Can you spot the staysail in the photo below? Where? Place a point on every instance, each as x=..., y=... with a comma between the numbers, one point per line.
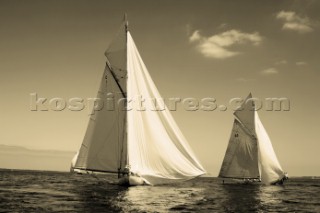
x=147, y=143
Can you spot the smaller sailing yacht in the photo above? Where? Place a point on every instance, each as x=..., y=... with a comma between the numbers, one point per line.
x=140, y=146
x=250, y=156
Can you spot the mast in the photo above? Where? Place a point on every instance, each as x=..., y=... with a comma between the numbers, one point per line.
x=126, y=117
x=126, y=24
x=125, y=129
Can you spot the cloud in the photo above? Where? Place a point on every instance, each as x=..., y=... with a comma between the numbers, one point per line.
x=245, y=79
x=269, y=71
x=281, y=62
x=217, y=46
x=301, y=63
x=291, y=21
x=195, y=36
x=223, y=26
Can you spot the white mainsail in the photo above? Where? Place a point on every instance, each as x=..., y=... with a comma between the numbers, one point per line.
x=250, y=154
x=157, y=149
x=147, y=143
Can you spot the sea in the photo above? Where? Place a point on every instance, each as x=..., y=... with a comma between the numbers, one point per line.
x=41, y=191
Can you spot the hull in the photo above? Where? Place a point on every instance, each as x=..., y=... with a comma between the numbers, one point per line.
x=77, y=171
x=132, y=181
x=281, y=181
x=240, y=181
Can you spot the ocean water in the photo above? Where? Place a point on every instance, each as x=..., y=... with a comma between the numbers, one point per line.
x=30, y=191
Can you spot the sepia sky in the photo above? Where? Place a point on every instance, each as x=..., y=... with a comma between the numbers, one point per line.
x=220, y=49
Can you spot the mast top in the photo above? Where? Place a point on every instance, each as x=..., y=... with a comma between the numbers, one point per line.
x=125, y=21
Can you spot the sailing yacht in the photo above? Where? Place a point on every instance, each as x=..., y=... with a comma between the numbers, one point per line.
x=250, y=156
x=140, y=146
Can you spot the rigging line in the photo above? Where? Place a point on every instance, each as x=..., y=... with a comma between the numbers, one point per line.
x=125, y=132
x=248, y=160
x=115, y=78
x=257, y=154
x=85, y=146
x=98, y=170
x=123, y=139
x=252, y=136
x=250, y=178
x=118, y=144
x=246, y=130
x=235, y=140
x=111, y=129
x=228, y=158
x=243, y=170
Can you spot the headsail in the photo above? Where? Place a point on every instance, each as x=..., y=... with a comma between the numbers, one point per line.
x=270, y=167
x=157, y=149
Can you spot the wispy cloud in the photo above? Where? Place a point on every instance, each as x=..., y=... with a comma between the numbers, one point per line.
x=291, y=21
x=223, y=26
x=281, y=62
x=218, y=46
x=301, y=63
x=269, y=71
x=195, y=36
x=245, y=79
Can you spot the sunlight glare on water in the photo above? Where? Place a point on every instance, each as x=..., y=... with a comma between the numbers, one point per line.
x=30, y=191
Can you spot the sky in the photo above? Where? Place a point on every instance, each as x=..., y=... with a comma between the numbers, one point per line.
x=220, y=49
